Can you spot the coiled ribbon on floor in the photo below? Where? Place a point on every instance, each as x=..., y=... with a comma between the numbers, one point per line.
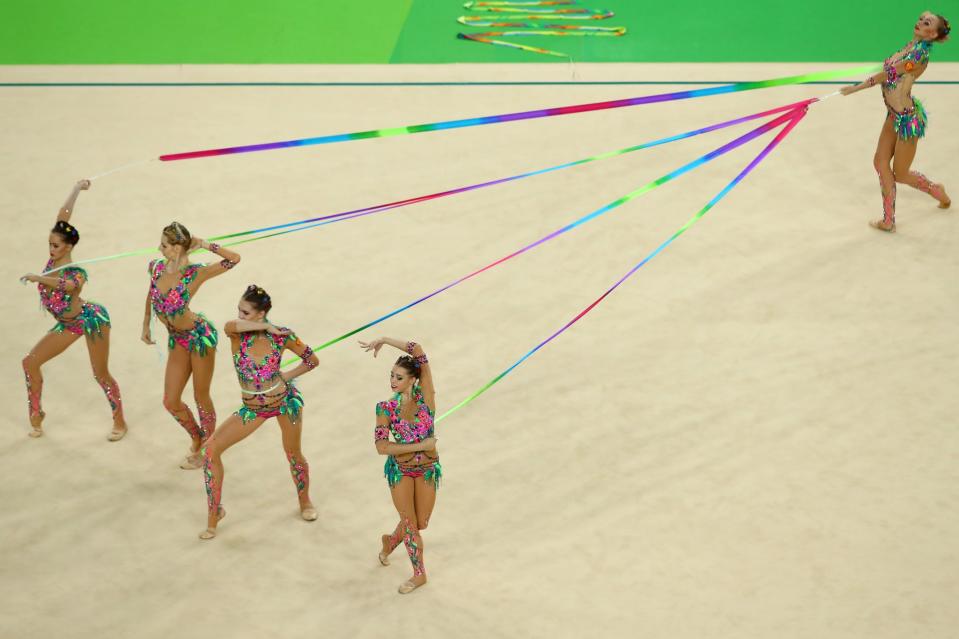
x=520, y=25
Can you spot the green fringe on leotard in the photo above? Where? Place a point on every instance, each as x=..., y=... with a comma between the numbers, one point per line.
x=393, y=474
x=292, y=406
x=93, y=316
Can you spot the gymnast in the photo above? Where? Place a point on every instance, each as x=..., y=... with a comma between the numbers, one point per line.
x=192, y=342
x=412, y=468
x=258, y=346
x=906, y=118
x=60, y=295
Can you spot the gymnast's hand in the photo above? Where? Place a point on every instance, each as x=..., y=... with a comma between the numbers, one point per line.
x=83, y=185
x=146, y=337
x=196, y=243
x=374, y=346
x=29, y=277
x=848, y=89
x=273, y=330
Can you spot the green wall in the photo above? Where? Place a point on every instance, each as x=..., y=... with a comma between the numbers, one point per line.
x=424, y=31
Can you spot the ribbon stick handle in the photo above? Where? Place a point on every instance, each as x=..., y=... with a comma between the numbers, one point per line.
x=826, y=97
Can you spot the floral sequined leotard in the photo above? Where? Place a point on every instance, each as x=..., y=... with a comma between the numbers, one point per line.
x=174, y=303
x=259, y=379
x=418, y=464
x=908, y=115
x=58, y=301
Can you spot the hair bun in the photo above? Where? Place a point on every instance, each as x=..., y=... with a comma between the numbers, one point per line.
x=67, y=231
x=257, y=296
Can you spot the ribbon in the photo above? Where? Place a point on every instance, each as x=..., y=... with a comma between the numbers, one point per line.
x=301, y=225
x=523, y=115
x=793, y=120
x=712, y=155
x=534, y=28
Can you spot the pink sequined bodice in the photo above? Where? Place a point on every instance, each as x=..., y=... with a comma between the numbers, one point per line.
x=258, y=373
x=175, y=301
x=403, y=431
x=56, y=299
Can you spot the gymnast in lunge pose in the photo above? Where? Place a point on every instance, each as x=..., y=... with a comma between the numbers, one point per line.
x=192, y=342
x=906, y=118
x=258, y=347
x=412, y=468
x=60, y=294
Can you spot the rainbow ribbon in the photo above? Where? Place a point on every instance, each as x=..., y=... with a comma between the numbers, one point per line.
x=793, y=118
x=575, y=13
x=531, y=3
x=523, y=115
x=534, y=28
x=712, y=155
x=486, y=37
x=302, y=225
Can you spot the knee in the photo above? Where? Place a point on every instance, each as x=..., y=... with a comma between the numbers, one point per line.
x=211, y=451
x=410, y=523
x=879, y=163
x=422, y=524
x=202, y=397
x=901, y=177
x=172, y=404
x=30, y=363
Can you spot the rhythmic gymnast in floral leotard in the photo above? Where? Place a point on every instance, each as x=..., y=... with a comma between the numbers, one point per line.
x=192, y=342
x=413, y=468
x=60, y=294
x=267, y=392
x=905, y=119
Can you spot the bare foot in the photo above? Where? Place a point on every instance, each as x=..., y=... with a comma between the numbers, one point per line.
x=412, y=584
x=881, y=225
x=36, y=421
x=117, y=433
x=384, y=555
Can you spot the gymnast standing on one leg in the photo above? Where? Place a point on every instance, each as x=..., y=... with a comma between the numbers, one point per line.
x=60, y=294
x=258, y=347
x=906, y=118
x=192, y=343
x=412, y=468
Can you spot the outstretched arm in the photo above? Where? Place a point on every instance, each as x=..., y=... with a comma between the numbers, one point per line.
x=69, y=282
x=67, y=209
x=869, y=82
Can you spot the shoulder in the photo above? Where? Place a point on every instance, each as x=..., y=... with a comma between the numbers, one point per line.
x=155, y=267
x=383, y=408
x=74, y=272
x=191, y=271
